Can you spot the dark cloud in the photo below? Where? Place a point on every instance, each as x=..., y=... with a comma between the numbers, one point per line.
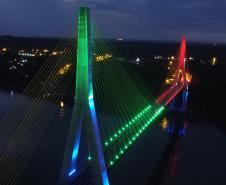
x=200, y=20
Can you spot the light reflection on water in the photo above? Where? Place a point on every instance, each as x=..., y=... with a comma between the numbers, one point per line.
x=61, y=109
x=164, y=123
x=176, y=131
x=197, y=154
x=167, y=166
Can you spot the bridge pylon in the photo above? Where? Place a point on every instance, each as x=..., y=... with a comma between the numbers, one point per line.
x=181, y=75
x=84, y=113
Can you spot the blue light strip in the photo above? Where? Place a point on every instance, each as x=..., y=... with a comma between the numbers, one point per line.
x=96, y=130
x=74, y=156
x=72, y=172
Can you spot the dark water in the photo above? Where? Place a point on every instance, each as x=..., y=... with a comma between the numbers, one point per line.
x=178, y=149
x=196, y=156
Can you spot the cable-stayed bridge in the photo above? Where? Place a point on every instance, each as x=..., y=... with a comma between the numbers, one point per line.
x=110, y=103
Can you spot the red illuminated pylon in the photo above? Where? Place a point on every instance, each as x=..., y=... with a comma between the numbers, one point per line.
x=182, y=78
x=181, y=72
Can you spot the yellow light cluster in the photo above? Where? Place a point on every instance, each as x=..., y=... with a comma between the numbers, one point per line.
x=101, y=58
x=214, y=61
x=55, y=53
x=188, y=77
x=171, y=63
x=169, y=80
x=164, y=123
x=64, y=69
x=34, y=52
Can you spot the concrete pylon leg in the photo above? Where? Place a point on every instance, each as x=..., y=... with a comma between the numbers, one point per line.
x=172, y=105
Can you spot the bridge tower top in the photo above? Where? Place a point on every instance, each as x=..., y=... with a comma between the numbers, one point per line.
x=182, y=74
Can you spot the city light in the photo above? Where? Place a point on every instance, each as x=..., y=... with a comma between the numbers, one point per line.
x=64, y=69
x=4, y=49
x=138, y=59
x=101, y=58
x=214, y=61
x=54, y=53
x=167, y=81
x=62, y=104
x=188, y=77
x=27, y=54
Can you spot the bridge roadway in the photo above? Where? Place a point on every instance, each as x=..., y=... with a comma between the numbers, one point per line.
x=169, y=94
x=147, y=161
x=138, y=163
x=130, y=166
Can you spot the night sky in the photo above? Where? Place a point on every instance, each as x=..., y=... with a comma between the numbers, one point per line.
x=167, y=20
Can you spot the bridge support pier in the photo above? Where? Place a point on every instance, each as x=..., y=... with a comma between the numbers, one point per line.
x=185, y=100
x=173, y=106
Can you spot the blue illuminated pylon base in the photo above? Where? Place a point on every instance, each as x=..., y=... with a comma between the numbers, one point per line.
x=184, y=103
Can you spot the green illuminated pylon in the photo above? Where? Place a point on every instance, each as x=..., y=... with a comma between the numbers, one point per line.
x=84, y=111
